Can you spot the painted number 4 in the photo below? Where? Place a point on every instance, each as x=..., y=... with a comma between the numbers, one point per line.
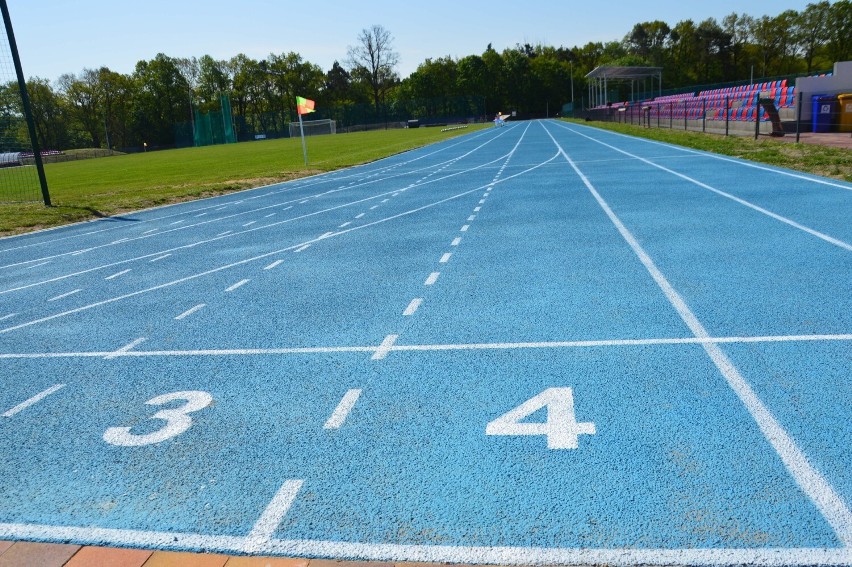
x=561, y=426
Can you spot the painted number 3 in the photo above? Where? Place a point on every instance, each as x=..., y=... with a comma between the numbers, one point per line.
x=177, y=420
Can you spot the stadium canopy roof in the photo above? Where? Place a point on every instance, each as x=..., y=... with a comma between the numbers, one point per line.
x=599, y=78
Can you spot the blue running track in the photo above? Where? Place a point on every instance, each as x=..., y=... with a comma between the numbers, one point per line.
x=536, y=344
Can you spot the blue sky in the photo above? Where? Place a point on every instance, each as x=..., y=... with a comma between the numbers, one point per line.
x=62, y=36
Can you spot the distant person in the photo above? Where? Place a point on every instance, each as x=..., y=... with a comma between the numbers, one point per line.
x=499, y=120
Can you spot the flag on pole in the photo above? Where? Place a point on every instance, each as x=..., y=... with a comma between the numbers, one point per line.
x=304, y=105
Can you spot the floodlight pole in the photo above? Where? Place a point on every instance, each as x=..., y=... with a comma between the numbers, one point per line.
x=25, y=102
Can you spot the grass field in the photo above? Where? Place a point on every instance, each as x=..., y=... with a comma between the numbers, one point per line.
x=88, y=189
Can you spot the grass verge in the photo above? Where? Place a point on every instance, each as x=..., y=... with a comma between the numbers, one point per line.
x=88, y=189
x=809, y=158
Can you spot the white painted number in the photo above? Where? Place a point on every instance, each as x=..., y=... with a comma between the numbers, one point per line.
x=561, y=427
x=177, y=420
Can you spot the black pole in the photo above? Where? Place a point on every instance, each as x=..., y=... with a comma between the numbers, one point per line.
x=798, y=116
x=25, y=102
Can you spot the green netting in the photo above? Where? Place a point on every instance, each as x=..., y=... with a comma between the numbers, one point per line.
x=207, y=129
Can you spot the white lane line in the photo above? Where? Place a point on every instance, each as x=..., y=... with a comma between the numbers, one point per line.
x=374, y=207
x=302, y=248
x=178, y=541
x=303, y=202
x=325, y=235
x=190, y=311
x=485, y=195
x=117, y=274
x=150, y=231
x=477, y=209
x=465, y=227
x=471, y=218
x=269, y=215
x=273, y=264
x=341, y=412
x=482, y=201
x=268, y=522
x=442, y=347
x=413, y=306
x=384, y=348
x=39, y=264
x=238, y=284
x=249, y=223
x=385, y=200
x=433, y=277
x=770, y=214
x=120, y=240
x=9, y=316
x=445, y=258
x=78, y=252
x=287, y=208
x=64, y=295
x=224, y=233
x=126, y=348
x=344, y=225
x=359, y=216
x=818, y=489
x=181, y=221
x=200, y=215
x=34, y=400
x=158, y=258
x=456, y=241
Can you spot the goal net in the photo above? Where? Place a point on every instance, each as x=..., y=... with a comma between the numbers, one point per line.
x=313, y=128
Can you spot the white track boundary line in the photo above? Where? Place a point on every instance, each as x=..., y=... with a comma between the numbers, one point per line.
x=741, y=161
x=268, y=522
x=32, y=401
x=181, y=541
x=819, y=490
x=392, y=347
x=794, y=224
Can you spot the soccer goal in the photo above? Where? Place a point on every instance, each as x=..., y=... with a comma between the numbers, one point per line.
x=313, y=128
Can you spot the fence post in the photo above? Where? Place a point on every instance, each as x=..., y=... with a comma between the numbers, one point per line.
x=757, y=114
x=704, y=115
x=671, y=115
x=685, y=116
x=798, y=115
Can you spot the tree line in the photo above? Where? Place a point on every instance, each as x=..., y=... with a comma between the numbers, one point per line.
x=103, y=108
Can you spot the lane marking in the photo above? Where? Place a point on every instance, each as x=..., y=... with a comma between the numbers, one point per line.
x=181, y=221
x=374, y=207
x=126, y=348
x=34, y=400
x=413, y=306
x=273, y=264
x=471, y=217
x=287, y=208
x=200, y=215
x=190, y=311
x=359, y=216
x=302, y=248
x=236, y=285
x=445, y=258
x=433, y=277
x=64, y=295
x=117, y=274
x=119, y=241
x=269, y=215
x=477, y=209
x=249, y=223
x=344, y=225
x=224, y=233
x=303, y=202
x=341, y=412
x=385, y=200
x=482, y=201
x=456, y=241
x=818, y=489
x=269, y=521
x=785, y=220
x=325, y=235
x=9, y=316
x=384, y=348
x=150, y=231
x=465, y=227
x=39, y=264
x=158, y=258
x=78, y=252
x=442, y=347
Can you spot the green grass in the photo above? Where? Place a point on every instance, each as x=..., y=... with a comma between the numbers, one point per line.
x=92, y=188
x=810, y=158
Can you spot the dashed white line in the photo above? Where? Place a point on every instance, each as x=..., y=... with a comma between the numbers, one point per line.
x=341, y=412
x=456, y=241
x=477, y=209
x=78, y=252
x=126, y=348
x=224, y=233
x=58, y=297
x=344, y=225
x=39, y=264
x=269, y=215
x=190, y=311
x=287, y=208
x=465, y=227
x=384, y=348
x=374, y=207
x=158, y=258
x=273, y=264
x=150, y=231
x=34, y=400
x=303, y=248
x=181, y=221
x=238, y=284
x=385, y=200
x=359, y=216
x=325, y=235
x=445, y=258
x=482, y=201
x=200, y=215
x=433, y=277
x=249, y=223
x=413, y=306
x=9, y=316
x=117, y=274
x=303, y=202
x=471, y=217
x=261, y=533
x=119, y=240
